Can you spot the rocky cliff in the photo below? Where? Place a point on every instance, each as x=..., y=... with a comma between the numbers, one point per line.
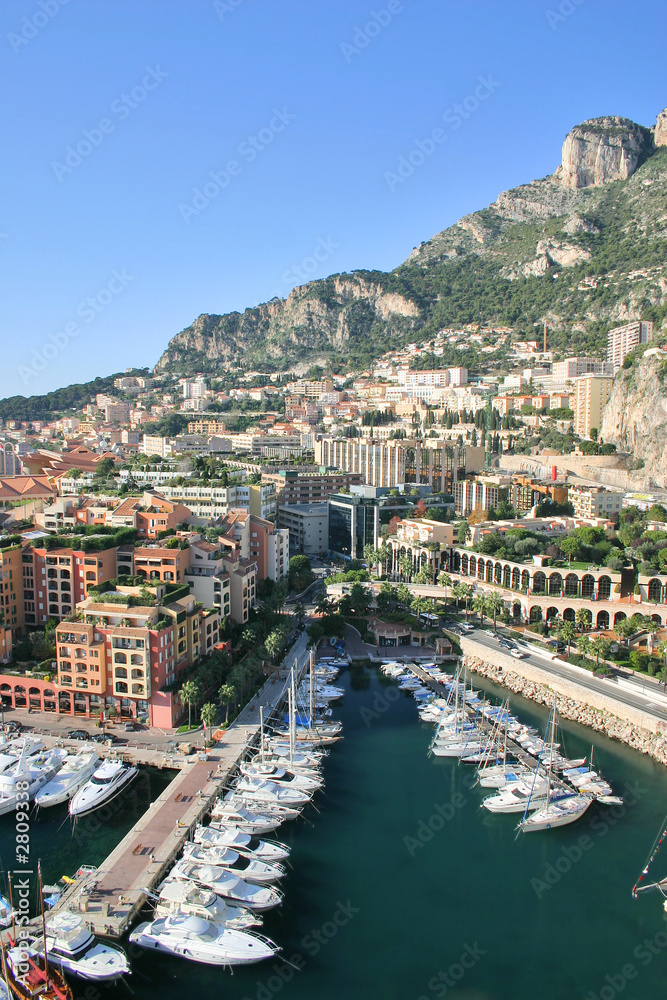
x=635, y=418
x=583, y=248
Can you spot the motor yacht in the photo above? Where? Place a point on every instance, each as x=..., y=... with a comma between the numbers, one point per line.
x=28, y=774
x=243, y=865
x=75, y=772
x=73, y=948
x=106, y=783
x=227, y=885
x=189, y=898
x=204, y=941
x=220, y=836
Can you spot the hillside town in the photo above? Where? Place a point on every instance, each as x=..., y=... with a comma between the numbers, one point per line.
x=143, y=533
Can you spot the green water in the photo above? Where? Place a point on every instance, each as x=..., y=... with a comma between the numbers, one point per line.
x=369, y=913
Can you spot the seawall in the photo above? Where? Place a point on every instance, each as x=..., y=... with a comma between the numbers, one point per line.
x=598, y=711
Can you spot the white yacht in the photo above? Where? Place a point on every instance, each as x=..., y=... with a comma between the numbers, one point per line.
x=272, y=791
x=266, y=807
x=73, y=948
x=75, y=772
x=189, y=898
x=28, y=774
x=220, y=836
x=11, y=750
x=107, y=782
x=557, y=812
x=517, y=798
x=203, y=941
x=5, y=912
x=503, y=777
x=304, y=780
x=245, y=866
x=240, y=817
x=227, y=885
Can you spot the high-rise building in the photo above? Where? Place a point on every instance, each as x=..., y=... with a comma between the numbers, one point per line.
x=429, y=461
x=592, y=393
x=623, y=339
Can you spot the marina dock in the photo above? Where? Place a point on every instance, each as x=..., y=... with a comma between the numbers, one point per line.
x=112, y=896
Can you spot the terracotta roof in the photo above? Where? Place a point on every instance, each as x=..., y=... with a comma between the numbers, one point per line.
x=21, y=487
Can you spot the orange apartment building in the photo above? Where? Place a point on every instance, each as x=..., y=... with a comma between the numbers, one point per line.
x=11, y=590
x=150, y=514
x=55, y=581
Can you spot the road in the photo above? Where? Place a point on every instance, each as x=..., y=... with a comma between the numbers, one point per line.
x=609, y=688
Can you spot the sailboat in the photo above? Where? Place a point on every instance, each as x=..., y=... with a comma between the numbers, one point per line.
x=561, y=807
x=29, y=974
x=641, y=885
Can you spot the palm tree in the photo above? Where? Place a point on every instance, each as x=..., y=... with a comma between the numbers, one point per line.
x=479, y=605
x=274, y=643
x=494, y=604
x=416, y=604
x=405, y=566
x=188, y=695
x=568, y=632
x=583, y=619
x=600, y=647
x=445, y=581
x=226, y=694
x=662, y=648
x=583, y=644
x=458, y=591
x=209, y=716
x=467, y=596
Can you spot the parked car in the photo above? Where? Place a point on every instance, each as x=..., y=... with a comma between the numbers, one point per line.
x=78, y=734
x=489, y=631
x=13, y=726
x=517, y=654
x=106, y=738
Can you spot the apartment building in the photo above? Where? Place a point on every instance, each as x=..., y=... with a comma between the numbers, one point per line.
x=12, y=609
x=56, y=580
x=482, y=492
x=591, y=395
x=595, y=501
x=153, y=562
x=208, y=427
x=153, y=444
x=354, y=523
x=306, y=487
x=307, y=526
x=623, y=339
x=437, y=376
x=269, y=547
x=424, y=542
x=222, y=573
x=571, y=368
x=392, y=463
x=113, y=655
x=150, y=514
x=526, y=492
x=6, y=643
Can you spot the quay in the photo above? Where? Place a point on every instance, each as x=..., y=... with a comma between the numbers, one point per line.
x=112, y=896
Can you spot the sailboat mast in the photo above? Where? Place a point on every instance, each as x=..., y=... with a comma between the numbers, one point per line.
x=261, y=733
x=11, y=905
x=41, y=901
x=312, y=688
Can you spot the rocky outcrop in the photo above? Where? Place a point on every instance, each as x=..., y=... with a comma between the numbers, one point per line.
x=602, y=150
x=654, y=744
x=635, y=418
x=660, y=129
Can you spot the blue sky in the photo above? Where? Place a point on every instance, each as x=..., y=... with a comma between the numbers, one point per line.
x=116, y=111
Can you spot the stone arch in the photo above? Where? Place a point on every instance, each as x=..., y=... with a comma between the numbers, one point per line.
x=569, y=615
x=516, y=611
x=539, y=582
x=604, y=588
x=481, y=566
x=603, y=619
x=464, y=563
x=489, y=571
x=64, y=702
x=555, y=584
x=654, y=590
x=587, y=585
x=657, y=619
x=472, y=566
x=525, y=580
x=571, y=585
x=552, y=613
x=516, y=578
x=497, y=573
x=620, y=616
x=536, y=613
x=507, y=577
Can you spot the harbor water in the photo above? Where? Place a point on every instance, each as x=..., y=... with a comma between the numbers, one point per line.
x=400, y=886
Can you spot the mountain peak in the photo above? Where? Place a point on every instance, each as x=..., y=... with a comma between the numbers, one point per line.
x=601, y=150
